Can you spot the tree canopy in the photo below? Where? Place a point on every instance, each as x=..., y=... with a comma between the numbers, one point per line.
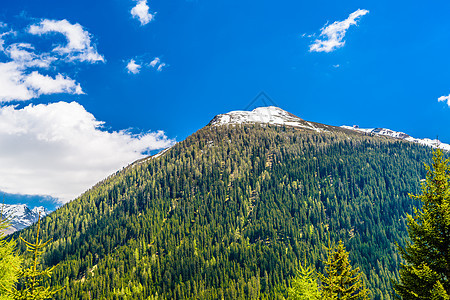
x=304, y=285
x=342, y=281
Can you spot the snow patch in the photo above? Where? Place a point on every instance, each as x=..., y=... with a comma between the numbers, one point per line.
x=264, y=115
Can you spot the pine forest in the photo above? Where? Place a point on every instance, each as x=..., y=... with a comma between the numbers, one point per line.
x=233, y=212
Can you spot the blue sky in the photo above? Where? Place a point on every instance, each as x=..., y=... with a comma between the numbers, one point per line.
x=71, y=111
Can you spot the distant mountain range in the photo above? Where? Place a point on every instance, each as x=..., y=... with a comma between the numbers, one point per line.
x=400, y=135
x=21, y=216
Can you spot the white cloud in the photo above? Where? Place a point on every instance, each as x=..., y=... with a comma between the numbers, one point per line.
x=133, y=67
x=308, y=35
x=60, y=149
x=78, y=45
x=16, y=84
x=19, y=78
x=46, y=85
x=160, y=67
x=445, y=98
x=331, y=36
x=141, y=12
x=154, y=62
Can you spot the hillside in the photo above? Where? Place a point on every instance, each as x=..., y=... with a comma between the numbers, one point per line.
x=232, y=210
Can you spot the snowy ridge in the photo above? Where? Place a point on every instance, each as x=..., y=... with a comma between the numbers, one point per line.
x=160, y=153
x=21, y=216
x=268, y=115
x=277, y=116
x=400, y=135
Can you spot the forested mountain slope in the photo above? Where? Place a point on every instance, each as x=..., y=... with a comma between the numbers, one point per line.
x=231, y=211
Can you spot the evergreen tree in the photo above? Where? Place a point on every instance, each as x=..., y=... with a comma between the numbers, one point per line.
x=341, y=280
x=304, y=285
x=32, y=286
x=426, y=273
x=9, y=260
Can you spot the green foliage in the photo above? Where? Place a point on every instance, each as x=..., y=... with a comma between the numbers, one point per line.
x=229, y=213
x=341, y=281
x=426, y=273
x=32, y=287
x=10, y=262
x=304, y=285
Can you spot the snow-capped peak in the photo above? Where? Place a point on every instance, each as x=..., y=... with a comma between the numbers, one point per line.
x=269, y=114
x=21, y=216
x=266, y=115
x=400, y=135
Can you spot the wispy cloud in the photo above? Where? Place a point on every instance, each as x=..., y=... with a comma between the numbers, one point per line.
x=61, y=150
x=332, y=36
x=154, y=62
x=24, y=55
x=160, y=67
x=133, y=67
x=3, y=34
x=445, y=98
x=78, y=45
x=141, y=12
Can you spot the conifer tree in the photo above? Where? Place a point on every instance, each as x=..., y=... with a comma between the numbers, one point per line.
x=341, y=280
x=426, y=273
x=304, y=285
x=9, y=260
x=32, y=285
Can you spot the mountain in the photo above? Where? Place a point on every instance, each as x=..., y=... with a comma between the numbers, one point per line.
x=400, y=135
x=21, y=216
x=231, y=212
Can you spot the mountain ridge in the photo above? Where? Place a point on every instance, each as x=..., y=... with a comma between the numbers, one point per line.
x=277, y=116
x=400, y=135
